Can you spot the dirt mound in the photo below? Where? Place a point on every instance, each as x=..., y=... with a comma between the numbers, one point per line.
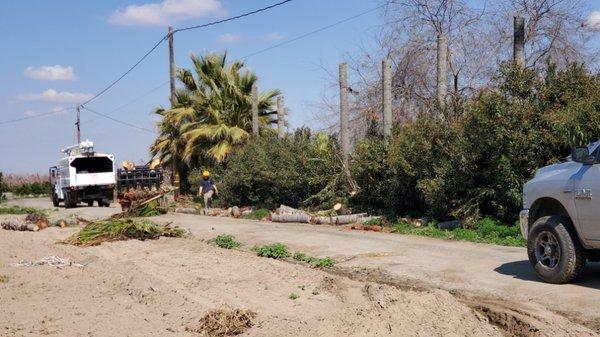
x=225, y=322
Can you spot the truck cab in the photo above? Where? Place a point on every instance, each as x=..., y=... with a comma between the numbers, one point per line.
x=83, y=176
x=561, y=215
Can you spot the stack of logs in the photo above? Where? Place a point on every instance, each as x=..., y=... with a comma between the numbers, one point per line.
x=288, y=214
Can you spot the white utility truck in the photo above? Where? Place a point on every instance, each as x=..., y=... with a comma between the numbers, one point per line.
x=83, y=176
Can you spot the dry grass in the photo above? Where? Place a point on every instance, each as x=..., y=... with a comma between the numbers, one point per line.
x=225, y=322
x=4, y=278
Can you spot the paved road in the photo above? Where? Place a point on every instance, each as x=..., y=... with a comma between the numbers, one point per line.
x=491, y=270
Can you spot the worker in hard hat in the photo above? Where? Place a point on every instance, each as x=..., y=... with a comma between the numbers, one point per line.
x=207, y=189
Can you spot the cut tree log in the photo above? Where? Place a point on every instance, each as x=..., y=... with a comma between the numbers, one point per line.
x=19, y=225
x=283, y=209
x=186, y=210
x=298, y=217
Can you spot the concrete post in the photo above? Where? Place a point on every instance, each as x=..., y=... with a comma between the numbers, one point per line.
x=344, y=111
x=254, y=110
x=280, y=117
x=519, y=41
x=387, y=97
x=442, y=59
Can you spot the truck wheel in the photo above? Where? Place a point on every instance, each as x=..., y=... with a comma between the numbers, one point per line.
x=554, y=250
x=69, y=202
x=54, y=200
x=90, y=203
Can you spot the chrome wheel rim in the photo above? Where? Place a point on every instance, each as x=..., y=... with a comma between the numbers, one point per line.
x=547, y=249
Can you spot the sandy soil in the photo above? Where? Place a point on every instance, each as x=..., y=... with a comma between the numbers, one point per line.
x=163, y=287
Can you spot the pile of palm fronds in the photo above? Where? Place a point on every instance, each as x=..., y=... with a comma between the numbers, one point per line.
x=96, y=232
x=224, y=322
x=147, y=209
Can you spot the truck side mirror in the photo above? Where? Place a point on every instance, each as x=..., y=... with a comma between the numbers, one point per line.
x=581, y=154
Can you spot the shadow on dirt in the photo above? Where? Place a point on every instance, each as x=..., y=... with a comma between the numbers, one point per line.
x=522, y=270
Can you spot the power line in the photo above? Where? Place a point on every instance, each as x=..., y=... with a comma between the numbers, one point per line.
x=157, y=44
x=312, y=32
x=117, y=120
x=53, y=112
x=261, y=50
x=133, y=100
x=127, y=72
x=233, y=17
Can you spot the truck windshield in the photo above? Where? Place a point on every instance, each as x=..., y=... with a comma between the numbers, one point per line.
x=92, y=165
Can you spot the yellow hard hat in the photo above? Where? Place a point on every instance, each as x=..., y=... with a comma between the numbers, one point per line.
x=206, y=173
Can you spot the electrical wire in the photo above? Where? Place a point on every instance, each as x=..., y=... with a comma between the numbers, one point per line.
x=127, y=72
x=117, y=120
x=53, y=112
x=312, y=32
x=233, y=17
x=132, y=101
x=157, y=44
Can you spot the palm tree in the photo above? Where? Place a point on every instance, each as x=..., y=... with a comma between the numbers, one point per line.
x=214, y=107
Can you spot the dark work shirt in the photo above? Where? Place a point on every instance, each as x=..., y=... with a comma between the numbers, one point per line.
x=207, y=185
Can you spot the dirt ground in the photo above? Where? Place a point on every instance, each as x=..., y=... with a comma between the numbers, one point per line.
x=164, y=287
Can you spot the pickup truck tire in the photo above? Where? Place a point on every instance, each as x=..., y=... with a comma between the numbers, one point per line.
x=90, y=203
x=554, y=250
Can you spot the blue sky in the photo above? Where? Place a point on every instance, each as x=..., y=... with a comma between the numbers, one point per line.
x=93, y=42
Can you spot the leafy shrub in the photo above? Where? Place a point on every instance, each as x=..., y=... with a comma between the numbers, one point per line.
x=299, y=256
x=257, y=214
x=226, y=241
x=274, y=251
x=293, y=296
x=268, y=172
x=326, y=262
x=474, y=165
x=487, y=231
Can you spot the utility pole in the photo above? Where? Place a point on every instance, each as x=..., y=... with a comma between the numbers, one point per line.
x=519, y=41
x=254, y=110
x=344, y=131
x=174, y=156
x=78, y=124
x=280, y=117
x=442, y=58
x=172, y=67
x=387, y=97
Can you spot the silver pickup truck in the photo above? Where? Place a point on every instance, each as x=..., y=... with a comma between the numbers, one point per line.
x=561, y=216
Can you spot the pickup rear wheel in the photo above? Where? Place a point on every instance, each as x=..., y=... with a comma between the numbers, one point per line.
x=554, y=250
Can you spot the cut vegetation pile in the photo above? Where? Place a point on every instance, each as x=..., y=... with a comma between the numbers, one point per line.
x=96, y=232
x=225, y=322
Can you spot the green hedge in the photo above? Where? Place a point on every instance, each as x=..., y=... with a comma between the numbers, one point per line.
x=475, y=164
x=267, y=172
